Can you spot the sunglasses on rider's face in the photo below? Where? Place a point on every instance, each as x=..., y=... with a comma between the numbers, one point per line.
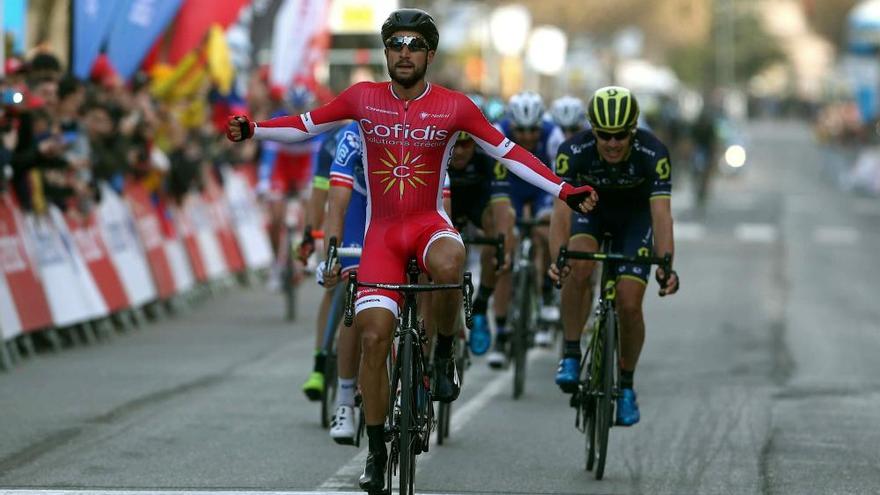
x=608, y=136
x=414, y=43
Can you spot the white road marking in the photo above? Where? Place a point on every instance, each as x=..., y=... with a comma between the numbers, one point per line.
x=756, y=232
x=836, y=235
x=460, y=417
x=689, y=231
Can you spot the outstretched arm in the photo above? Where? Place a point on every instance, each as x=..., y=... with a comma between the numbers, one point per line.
x=296, y=127
x=519, y=161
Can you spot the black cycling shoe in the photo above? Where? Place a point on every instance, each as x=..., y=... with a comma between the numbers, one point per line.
x=373, y=479
x=446, y=381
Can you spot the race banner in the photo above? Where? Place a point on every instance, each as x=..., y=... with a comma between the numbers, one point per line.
x=92, y=22
x=135, y=28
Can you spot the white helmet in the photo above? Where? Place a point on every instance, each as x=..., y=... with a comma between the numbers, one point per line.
x=568, y=112
x=526, y=109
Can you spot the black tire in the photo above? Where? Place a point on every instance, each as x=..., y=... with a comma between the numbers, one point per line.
x=590, y=448
x=520, y=339
x=588, y=408
x=604, y=403
x=443, y=414
x=328, y=398
x=289, y=292
x=407, y=416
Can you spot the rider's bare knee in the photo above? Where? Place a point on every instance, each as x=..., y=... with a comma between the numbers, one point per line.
x=374, y=346
x=629, y=310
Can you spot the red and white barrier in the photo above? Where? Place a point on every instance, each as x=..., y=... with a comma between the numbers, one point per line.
x=121, y=238
x=248, y=221
x=70, y=290
x=58, y=270
x=218, y=208
x=150, y=231
x=86, y=234
x=199, y=216
x=23, y=304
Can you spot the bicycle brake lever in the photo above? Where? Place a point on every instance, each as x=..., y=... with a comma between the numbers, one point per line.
x=560, y=264
x=467, y=290
x=349, y=298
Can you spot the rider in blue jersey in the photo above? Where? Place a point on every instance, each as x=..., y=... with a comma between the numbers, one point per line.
x=526, y=126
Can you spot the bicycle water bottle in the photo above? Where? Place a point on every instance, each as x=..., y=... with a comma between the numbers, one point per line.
x=480, y=338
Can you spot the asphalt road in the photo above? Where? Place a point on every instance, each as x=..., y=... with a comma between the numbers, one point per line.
x=760, y=376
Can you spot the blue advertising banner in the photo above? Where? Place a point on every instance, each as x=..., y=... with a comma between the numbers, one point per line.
x=136, y=27
x=14, y=16
x=92, y=20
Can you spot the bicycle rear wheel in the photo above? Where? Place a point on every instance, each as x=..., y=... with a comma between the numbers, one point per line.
x=604, y=403
x=289, y=290
x=328, y=398
x=443, y=415
x=520, y=339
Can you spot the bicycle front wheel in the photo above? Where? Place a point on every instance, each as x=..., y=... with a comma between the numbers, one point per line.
x=406, y=467
x=604, y=403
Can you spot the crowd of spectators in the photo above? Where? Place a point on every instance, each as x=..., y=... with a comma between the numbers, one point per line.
x=62, y=137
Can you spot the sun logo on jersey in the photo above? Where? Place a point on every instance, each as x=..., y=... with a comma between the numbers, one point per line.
x=403, y=172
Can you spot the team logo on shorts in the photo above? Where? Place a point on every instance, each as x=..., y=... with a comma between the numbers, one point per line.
x=399, y=173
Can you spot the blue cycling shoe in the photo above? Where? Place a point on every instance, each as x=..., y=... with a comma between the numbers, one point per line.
x=567, y=374
x=480, y=337
x=627, y=408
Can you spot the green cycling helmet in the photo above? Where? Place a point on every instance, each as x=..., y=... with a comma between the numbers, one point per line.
x=613, y=109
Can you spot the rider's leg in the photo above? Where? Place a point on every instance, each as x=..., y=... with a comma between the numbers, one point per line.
x=577, y=291
x=344, y=426
x=314, y=386
x=575, y=301
x=444, y=261
x=375, y=326
x=487, y=265
x=630, y=293
x=348, y=347
x=445, y=264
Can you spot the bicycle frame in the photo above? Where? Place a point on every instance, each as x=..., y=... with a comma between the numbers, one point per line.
x=410, y=416
x=599, y=365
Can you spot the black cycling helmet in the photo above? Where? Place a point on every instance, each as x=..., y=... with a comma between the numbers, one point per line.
x=411, y=20
x=613, y=108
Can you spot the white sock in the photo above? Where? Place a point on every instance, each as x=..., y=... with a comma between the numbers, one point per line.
x=345, y=393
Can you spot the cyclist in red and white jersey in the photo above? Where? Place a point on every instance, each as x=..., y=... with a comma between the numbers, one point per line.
x=408, y=129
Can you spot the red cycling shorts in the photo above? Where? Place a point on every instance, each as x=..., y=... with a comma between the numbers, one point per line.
x=388, y=246
x=291, y=174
